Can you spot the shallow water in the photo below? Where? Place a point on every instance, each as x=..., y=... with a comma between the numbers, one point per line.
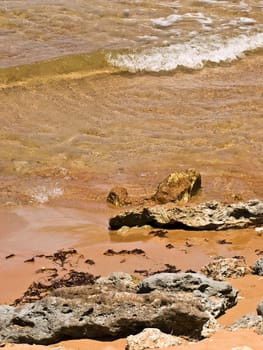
x=93, y=96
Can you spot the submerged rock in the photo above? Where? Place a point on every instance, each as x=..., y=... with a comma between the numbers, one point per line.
x=178, y=186
x=176, y=303
x=207, y=216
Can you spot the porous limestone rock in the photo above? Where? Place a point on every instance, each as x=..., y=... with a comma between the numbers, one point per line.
x=221, y=268
x=207, y=216
x=215, y=296
x=249, y=321
x=176, y=303
x=152, y=338
x=178, y=186
x=257, y=268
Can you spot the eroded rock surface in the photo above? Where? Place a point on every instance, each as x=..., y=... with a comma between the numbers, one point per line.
x=257, y=268
x=176, y=303
x=178, y=186
x=152, y=338
x=221, y=268
x=207, y=216
x=215, y=296
x=249, y=321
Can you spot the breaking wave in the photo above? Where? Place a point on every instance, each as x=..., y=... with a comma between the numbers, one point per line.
x=193, y=54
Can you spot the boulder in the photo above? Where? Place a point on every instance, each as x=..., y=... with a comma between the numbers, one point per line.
x=118, y=196
x=178, y=186
x=207, y=216
x=221, y=268
x=152, y=338
x=215, y=296
x=257, y=268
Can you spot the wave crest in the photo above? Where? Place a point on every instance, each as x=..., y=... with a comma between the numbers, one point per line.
x=192, y=55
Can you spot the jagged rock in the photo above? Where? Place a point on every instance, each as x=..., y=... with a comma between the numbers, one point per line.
x=181, y=304
x=249, y=321
x=152, y=338
x=101, y=312
x=221, y=268
x=207, y=216
x=215, y=296
x=178, y=186
x=257, y=268
x=118, y=196
x=260, y=308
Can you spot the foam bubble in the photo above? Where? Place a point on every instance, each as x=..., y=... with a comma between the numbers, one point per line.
x=42, y=193
x=193, y=54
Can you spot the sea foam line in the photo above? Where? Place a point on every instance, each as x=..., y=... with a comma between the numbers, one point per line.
x=193, y=54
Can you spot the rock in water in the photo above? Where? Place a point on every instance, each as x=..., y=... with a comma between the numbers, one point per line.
x=207, y=216
x=178, y=186
x=118, y=196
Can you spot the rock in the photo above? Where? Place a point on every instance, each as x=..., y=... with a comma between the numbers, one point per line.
x=207, y=216
x=119, y=280
x=260, y=308
x=215, y=296
x=152, y=338
x=210, y=327
x=178, y=186
x=99, y=313
x=221, y=268
x=257, y=268
x=182, y=304
x=249, y=321
x=118, y=196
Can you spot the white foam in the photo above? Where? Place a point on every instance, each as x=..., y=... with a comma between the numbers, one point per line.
x=42, y=193
x=193, y=54
x=168, y=21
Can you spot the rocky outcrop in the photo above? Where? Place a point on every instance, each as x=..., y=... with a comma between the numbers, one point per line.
x=207, y=216
x=215, y=296
x=257, y=268
x=152, y=338
x=221, y=268
x=176, y=303
x=178, y=186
